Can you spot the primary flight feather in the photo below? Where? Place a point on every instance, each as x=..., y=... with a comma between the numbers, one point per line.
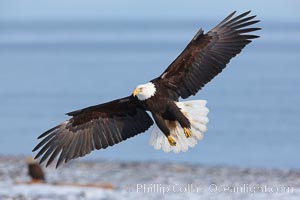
x=177, y=125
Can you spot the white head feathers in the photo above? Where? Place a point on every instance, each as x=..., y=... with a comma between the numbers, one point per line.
x=144, y=91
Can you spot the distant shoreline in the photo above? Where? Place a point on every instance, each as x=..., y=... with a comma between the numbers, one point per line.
x=93, y=160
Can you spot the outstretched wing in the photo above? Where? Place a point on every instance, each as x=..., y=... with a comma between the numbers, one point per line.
x=207, y=54
x=95, y=127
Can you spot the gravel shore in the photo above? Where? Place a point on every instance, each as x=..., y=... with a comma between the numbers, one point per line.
x=146, y=180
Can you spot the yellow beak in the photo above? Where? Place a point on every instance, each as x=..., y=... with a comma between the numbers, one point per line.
x=136, y=92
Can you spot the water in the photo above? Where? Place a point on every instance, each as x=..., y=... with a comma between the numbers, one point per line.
x=49, y=68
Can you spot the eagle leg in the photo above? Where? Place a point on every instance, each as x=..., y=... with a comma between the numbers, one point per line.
x=171, y=141
x=179, y=115
x=161, y=123
x=187, y=132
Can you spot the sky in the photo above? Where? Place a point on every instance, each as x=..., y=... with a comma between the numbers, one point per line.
x=283, y=10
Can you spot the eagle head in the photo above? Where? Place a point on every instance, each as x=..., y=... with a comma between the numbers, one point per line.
x=144, y=91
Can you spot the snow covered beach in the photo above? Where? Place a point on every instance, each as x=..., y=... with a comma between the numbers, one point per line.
x=149, y=180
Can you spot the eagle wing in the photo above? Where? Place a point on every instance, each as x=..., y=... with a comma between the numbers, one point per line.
x=207, y=54
x=95, y=127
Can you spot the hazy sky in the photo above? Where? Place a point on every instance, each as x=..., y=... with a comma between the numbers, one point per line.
x=172, y=9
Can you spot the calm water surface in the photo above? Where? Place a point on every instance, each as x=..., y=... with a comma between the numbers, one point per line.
x=49, y=68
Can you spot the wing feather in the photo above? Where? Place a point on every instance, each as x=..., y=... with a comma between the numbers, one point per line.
x=95, y=127
x=208, y=54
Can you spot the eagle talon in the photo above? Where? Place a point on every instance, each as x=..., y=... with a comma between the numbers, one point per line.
x=171, y=140
x=187, y=132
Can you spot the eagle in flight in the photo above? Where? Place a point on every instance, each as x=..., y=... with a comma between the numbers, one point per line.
x=177, y=125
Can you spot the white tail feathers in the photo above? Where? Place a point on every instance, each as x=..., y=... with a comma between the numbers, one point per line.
x=196, y=111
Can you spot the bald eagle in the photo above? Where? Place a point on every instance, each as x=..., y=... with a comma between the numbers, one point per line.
x=35, y=171
x=177, y=125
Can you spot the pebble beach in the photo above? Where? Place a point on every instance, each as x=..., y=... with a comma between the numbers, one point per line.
x=103, y=179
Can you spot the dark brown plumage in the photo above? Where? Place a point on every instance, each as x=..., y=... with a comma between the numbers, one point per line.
x=35, y=171
x=95, y=127
x=207, y=54
x=104, y=125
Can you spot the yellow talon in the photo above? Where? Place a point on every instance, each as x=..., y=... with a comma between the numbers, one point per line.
x=171, y=140
x=187, y=132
